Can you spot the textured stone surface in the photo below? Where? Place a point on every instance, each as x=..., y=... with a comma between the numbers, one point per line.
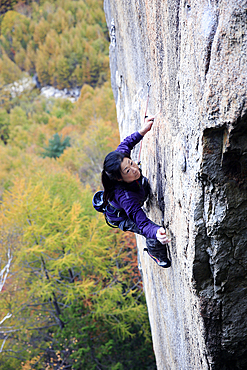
x=194, y=53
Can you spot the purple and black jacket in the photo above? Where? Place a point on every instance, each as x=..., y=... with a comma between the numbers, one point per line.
x=130, y=197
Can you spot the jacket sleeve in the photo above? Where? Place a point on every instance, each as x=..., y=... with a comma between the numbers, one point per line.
x=130, y=203
x=129, y=142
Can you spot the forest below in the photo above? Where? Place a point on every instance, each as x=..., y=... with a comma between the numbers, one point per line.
x=71, y=291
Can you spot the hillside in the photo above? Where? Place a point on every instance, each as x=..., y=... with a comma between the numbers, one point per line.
x=71, y=292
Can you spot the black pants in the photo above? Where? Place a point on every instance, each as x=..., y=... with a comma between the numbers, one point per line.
x=154, y=247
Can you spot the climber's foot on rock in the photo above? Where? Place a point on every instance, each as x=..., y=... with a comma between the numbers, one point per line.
x=162, y=262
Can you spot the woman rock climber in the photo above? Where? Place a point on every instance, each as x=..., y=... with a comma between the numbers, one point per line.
x=125, y=190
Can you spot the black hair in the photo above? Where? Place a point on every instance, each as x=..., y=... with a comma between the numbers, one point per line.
x=111, y=173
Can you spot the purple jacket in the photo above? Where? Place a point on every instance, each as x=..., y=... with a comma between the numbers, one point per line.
x=130, y=197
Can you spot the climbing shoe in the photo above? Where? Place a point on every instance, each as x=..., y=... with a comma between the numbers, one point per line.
x=162, y=262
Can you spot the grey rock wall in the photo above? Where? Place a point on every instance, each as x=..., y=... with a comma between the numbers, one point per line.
x=194, y=54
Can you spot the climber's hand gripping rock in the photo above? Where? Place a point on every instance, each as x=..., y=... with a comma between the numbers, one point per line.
x=161, y=236
x=148, y=125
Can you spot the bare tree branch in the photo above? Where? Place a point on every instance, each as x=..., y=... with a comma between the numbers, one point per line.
x=3, y=276
x=6, y=317
x=5, y=271
x=1, y=349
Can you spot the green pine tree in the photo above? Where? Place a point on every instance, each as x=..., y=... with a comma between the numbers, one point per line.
x=56, y=146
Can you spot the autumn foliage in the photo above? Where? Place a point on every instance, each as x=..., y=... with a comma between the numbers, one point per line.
x=71, y=290
x=65, y=42
x=74, y=284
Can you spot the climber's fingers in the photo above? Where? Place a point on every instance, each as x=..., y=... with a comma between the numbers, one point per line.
x=149, y=125
x=161, y=236
x=151, y=118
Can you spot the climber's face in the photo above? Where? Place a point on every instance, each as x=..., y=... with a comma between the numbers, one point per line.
x=129, y=170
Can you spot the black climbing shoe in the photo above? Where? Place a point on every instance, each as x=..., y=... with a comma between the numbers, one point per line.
x=164, y=262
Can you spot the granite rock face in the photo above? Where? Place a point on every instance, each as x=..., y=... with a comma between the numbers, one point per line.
x=195, y=55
